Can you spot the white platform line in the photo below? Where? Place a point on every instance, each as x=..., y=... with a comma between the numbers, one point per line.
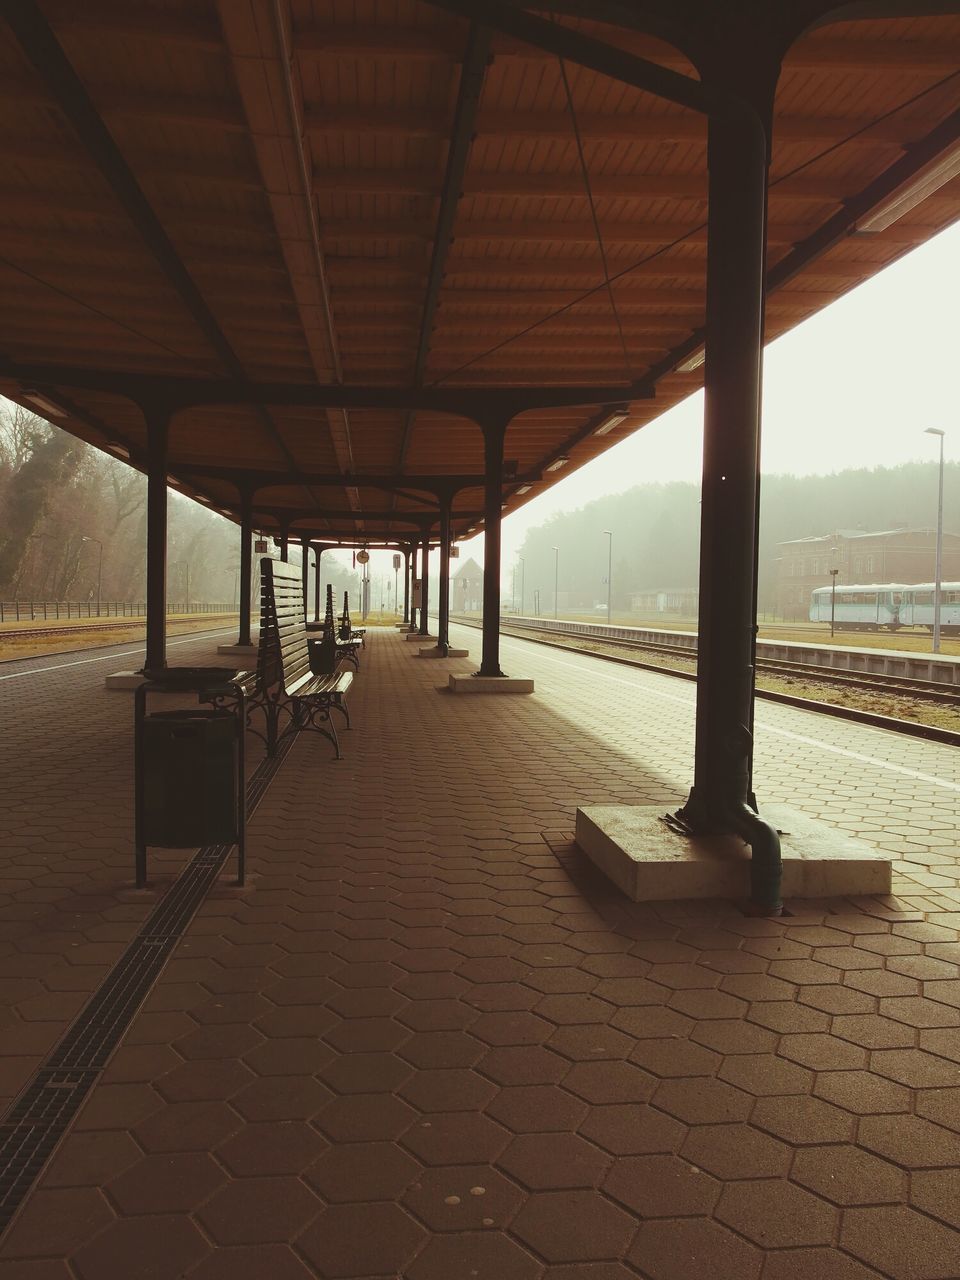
x=109, y=657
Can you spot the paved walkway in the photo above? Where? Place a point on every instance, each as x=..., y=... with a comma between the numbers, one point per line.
x=428, y=1042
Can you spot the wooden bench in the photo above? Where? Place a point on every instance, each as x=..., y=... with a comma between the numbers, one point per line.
x=284, y=682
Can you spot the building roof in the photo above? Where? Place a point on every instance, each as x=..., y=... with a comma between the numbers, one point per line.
x=330, y=266
x=851, y=535
x=469, y=569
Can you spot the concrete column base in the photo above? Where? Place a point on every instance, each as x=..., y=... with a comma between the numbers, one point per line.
x=650, y=862
x=434, y=652
x=124, y=680
x=490, y=684
x=237, y=650
x=414, y=636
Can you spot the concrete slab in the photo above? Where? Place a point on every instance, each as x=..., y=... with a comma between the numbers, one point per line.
x=415, y=636
x=650, y=862
x=124, y=680
x=237, y=650
x=490, y=684
x=434, y=652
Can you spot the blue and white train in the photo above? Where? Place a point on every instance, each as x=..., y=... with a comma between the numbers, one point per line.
x=887, y=606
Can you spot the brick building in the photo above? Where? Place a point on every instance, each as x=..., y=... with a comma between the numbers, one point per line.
x=466, y=589
x=890, y=555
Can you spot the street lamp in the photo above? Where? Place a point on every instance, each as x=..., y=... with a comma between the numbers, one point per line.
x=937, y=591
x=99, y=568
x=523, y=577
x=556, y=579
x=609, y=571
x=833, y=599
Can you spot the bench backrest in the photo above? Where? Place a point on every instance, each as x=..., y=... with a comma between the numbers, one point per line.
x=283, y=656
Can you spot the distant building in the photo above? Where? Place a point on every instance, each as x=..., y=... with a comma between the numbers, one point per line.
x=682, y=602
x=466, y=588
x=861, y=557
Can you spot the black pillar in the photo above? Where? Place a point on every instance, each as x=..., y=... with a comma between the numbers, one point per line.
x=424, y=585
x=721, y=799
x=443, y=628
x=305, y=571
x=493, y=436
x=317, y=553
x=285, y=543
x=246, y=563
x=406, y=585
x=158, y=422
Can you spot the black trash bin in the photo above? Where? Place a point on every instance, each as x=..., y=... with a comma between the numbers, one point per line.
x=190, y=778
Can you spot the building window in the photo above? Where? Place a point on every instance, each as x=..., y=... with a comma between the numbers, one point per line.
x=869, y=564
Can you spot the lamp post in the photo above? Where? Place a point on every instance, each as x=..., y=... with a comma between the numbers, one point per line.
x=609, y=572
x=99, y=568
x=556, y=579
x=523, y=576
x=937, y=587
x=833, y=599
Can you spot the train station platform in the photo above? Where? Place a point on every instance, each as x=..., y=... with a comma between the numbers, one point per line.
x=429, y=1041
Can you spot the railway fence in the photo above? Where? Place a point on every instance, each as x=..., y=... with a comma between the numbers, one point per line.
x=45, y=610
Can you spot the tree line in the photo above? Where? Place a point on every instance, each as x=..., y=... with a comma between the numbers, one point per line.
x=655, y=531
x=61, y=499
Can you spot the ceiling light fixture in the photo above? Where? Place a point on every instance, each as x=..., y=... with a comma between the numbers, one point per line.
x=612, y=419
x=557, y=464
x=118, y=449
x=46, y=406
x=524, y=488
x=693, y=361
x=928, y=179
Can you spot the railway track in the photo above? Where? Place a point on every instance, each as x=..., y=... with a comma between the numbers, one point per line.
x=84, y=628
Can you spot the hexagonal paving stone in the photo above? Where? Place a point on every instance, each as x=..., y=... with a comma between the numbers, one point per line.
x=250, y=1262
x=765, y=1074
x=289, y=1056
x=454, y=1090
x=524, y=1064
x=361, y=1240
x=908, y=1140
x=814, y=1264
x=942, y=1106
x=366, y=1035
x=591, y=1043
x=733, y=1151
x=862, y=1092
x=554, y=1161
x=538, y=1108
x=902, y=1242
x=821, y=1052
x=285, y=1146
x=365, y=1118
x=188, y=1126
x=675, y=1057
x=456, y=1138
x=463, y=1198
x=363, y=1171
x=680, y=1248
x=572, y=1226
x=937, y=1191
x=632, y=1130
x=661, y=1186
x=435, y=1049
x=481, y=1255
x=848, y=1176
x=776, y=1214
x=703, y=1101
x=365, y=1073
x=914, y=1068
x=173, y=1183
x=281, y=1098
x=873, y=1031
x=172, y=1243
x=259, y=1211
x=511, y=1028
x=609, y=1082
x=55, y=1222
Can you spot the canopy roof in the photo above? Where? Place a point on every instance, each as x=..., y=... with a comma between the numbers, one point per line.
x=240, y=207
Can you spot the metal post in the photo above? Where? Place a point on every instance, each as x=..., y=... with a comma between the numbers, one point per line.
x=938, y=584
x=317, y=553
x=285, y=543
x=720, y=800
x=443, y=628
x=157, y=422
x=833, y=600
x=556, y=579
x=413, y=578
x=246, y=563
x=424, y=585
x=305, y=570
x=406, y=586
x=493, y=437
x=609, y=574
x=523, y=582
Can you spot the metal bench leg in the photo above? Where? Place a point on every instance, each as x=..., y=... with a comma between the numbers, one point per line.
x=342, y=708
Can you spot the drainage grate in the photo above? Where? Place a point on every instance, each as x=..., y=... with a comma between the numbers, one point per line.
x=41, y=1115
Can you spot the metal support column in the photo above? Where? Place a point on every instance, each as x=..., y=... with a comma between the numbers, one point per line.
x=443, y=626
x=285, y=543
x=158, y=423
x=493, y=437
x=424, y=585
x=305, y=571
x=721, y=799
x=246, y=563
x=317, y=553
x=406, y=585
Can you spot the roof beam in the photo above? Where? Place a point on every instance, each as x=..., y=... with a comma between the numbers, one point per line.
x=473, y=403
x=475, y=59
x=189, y=27
x=585, y=51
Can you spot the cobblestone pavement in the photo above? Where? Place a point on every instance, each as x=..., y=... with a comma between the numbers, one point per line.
x=429, y=1042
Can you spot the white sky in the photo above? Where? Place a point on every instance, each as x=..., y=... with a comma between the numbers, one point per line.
x=853, y=386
